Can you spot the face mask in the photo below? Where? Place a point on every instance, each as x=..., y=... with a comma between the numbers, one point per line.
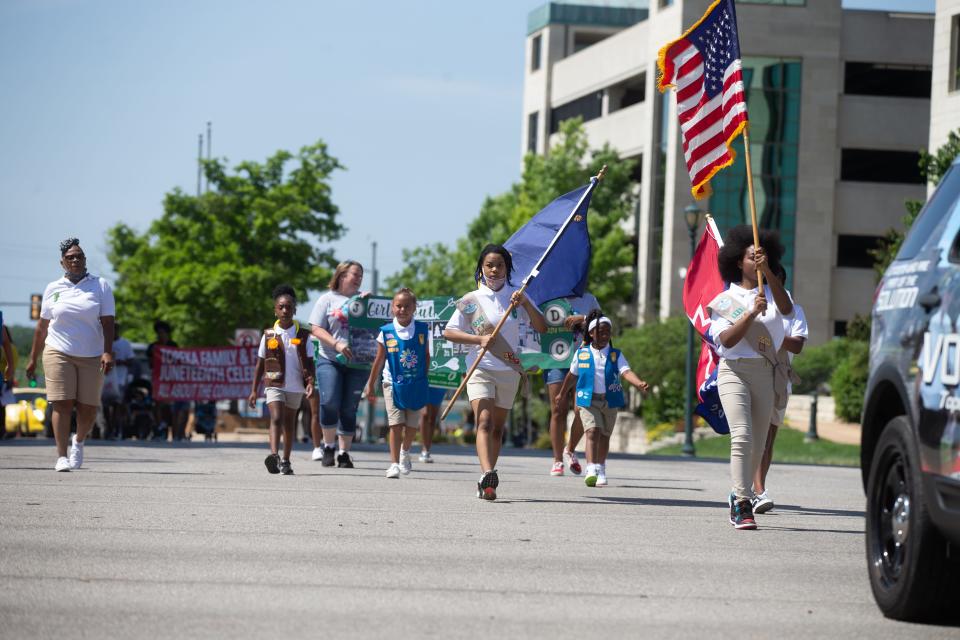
x=75, y=278
x=495, y=284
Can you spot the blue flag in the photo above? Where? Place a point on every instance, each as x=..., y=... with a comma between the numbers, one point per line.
x=710, y=408
x=564, y=271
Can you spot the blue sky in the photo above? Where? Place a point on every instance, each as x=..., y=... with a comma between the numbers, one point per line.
x=103, y=100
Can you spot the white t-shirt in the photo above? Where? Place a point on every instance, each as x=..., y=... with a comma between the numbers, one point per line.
x=293, y=374
x=772, y=319
x=74, y=312
x=600, y=366
x=405, y=333
x=328, y=314
x=122, y=350
x=493, y=303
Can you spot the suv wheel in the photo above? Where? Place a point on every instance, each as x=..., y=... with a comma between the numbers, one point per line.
x=910, y=573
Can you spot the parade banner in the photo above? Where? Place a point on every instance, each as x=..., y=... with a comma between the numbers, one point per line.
x=202, y=373
x=365, y=316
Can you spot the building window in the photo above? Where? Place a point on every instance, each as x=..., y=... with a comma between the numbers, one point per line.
x=955, y=53
x=876, y=165
x=655, y=228
x=588, y=107
x=584, y=39
x=533, y=120
x=873, y=79
x=627, y=93
x=854, y=251
x=839, y=328
x=773, y=99
x=665, y=3
x=535, y=45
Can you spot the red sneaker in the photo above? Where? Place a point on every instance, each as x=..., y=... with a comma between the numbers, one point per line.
x=570, y=457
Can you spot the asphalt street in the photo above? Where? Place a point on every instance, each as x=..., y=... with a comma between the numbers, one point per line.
x=198, y=540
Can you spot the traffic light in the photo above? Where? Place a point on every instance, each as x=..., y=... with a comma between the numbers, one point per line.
x=35, y=300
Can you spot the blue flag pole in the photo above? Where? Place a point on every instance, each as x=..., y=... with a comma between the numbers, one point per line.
x=534, y=272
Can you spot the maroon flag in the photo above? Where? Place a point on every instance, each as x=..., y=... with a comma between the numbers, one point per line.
x=702, y=284
x=704, y=66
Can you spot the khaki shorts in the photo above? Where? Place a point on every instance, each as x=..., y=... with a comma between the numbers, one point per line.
x=397, y=416
x=290, y=399
x=500, y=386
x=72, y=378
x=598, y=415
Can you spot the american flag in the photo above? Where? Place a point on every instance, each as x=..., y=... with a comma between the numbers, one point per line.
x=704, y=66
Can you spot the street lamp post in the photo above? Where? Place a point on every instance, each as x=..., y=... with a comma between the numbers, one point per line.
x=692, y=216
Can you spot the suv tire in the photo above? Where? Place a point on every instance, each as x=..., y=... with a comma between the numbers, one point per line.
x=907, y=558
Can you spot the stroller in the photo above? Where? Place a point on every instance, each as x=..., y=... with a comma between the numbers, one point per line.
x=205, y=420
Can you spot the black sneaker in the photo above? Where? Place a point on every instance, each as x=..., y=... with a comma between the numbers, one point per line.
x=741, y=515
x=487, y=487
x=328, y=454
x=273, y=463
x=285, y=468
x=344, y=461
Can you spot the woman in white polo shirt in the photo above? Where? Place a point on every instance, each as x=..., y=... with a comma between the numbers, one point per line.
x=493, y=386
x=747, y=328
x=75, y=335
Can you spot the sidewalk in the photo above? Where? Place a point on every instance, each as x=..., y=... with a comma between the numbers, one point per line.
x=828, y=427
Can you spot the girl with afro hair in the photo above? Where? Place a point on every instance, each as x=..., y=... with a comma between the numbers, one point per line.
x=748, y=331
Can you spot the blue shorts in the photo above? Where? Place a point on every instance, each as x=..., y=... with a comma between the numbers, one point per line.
x=436, y=396
x=554, y=376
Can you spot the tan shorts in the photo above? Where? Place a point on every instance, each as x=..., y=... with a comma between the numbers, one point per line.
x=598, y=415
x=290, y=399
x=72, y=378
x=500, y=386
x=396, y=416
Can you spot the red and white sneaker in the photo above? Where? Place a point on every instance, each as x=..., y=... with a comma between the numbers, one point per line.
x=557, y=469
x=570, y=457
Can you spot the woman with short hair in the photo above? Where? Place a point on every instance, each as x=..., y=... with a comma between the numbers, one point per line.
x=75, y=335
x=338, y=385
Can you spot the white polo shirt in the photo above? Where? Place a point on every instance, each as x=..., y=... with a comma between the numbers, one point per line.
x=493, y=303
x=772, y=319
x=293, y=374
x=74, y=312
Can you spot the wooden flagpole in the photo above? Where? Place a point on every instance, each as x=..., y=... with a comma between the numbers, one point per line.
x=753, y=202
x=513, y=305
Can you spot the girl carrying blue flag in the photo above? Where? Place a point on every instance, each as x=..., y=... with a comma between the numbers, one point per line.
x=598, y=369
x=403, y=345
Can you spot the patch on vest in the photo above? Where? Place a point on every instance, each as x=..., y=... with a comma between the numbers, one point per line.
x=584, y=365
x=408, y=359
x=613, y=356
x=584, y=355
x=470, y=308
x=723, y=304
x=391, y=342
x=581, y=394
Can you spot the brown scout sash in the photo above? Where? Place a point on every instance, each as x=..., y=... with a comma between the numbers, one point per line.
x=731, y=308
x=275, y=358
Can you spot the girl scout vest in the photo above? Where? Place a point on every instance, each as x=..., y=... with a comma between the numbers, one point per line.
x=611, y=376
x=407, y=360
x=732, y=308
x=275, y=355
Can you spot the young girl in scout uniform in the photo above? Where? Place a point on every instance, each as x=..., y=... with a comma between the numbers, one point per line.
x=748, y=332
x=598, y=370
x=287, y=373
x=403, y=344
x=493, y=386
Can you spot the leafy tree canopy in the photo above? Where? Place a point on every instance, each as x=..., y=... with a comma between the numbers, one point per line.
x=209, y=263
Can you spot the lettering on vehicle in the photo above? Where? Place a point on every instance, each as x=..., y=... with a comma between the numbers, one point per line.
x=943, y=353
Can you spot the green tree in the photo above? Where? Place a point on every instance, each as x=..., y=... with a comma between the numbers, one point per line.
x=656, y=352
x=209, y=263
x=436, y=269
x=933, y=166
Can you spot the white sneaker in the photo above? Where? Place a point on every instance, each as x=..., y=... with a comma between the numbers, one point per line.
x=592, y=475
x=601, y=475
x=317, y=454
x=62, y=464
x=762, y=503
x=405, y=464
x=425, y=456
x=393, y=471
x=76, y=452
